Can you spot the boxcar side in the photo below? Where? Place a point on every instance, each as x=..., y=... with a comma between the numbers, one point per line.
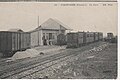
x=87, y=37
x=10, y=42
x=5, y=42
x=14, y=41
x=21, y=41
x=27, y=40
x=72, y=40
x=61, y=39
x=91, y=37
x=24, y=40
x=96, y=36
x=100, y=36
x=80, y=38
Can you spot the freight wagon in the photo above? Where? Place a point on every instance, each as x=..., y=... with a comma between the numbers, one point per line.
x=110, y=37
x=82, y=38
x=10, y=42
x=96, y=36
x=89, y=37
x=100, y=36
x=75, y=39
x=72, y=40
x=24, y=40
x=61, y=39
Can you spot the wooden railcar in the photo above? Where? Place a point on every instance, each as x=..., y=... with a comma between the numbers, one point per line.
x=61, y=39
x=100, y=36
x=10, y=42
x=24, y=40
x=96, y=36
x=82, y=38
x=72, y=40
x=89, y=37
x=76, y=39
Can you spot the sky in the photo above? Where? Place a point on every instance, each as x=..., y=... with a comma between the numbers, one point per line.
x=79, y=18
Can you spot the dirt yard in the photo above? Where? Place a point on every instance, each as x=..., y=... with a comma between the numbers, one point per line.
x=92, y=65
x=94, y=61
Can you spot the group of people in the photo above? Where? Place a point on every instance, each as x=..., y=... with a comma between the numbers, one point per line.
x=47, y=42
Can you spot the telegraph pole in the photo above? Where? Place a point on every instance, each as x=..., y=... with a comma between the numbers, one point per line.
x=38, y=21
x=38, y=31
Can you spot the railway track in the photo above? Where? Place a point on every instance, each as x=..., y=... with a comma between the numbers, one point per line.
x=17, y=62
x=38, y=62
x=4, y=63
x=22, y=63
x=59, y=60
x=2, y=60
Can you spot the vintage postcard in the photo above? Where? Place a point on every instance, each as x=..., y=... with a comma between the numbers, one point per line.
x=58, y=39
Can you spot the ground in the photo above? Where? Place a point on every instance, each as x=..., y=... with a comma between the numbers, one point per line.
x=96, y=60
x=100, y=65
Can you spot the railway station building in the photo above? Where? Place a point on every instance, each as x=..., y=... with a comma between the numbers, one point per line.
x=46, y=33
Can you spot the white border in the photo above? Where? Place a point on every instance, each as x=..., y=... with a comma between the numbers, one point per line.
x=118, y=73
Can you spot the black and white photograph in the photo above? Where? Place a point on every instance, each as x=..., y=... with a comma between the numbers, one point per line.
x=59, y=40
